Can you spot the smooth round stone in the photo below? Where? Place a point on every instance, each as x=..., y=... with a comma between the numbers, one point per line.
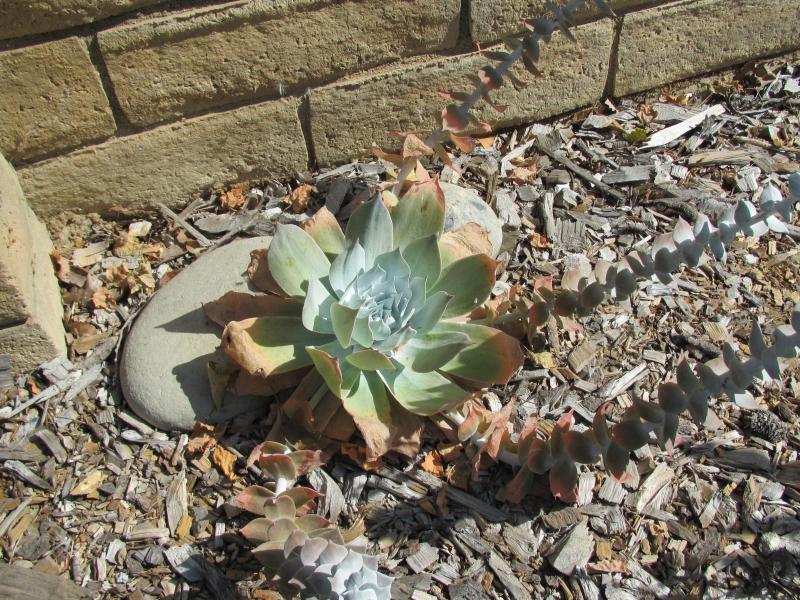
x=163, y=369
x=463, y=206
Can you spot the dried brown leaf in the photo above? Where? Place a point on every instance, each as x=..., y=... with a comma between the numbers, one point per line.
x=432, y=463
x=232, y=199
x=300, y=197
x=88, y=485
x=203, y=438
x=225, y=460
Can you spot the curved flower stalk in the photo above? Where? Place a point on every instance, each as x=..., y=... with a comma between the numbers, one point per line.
x=456, y=117
x=377, y=312
x=565, y=448
x=304, y=551
x=582, y=292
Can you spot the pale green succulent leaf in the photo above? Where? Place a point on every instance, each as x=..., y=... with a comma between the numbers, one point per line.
x=422, y=256
x=362, y=333
x=430, y=351
x=492, y=356
x=419, y=213
x=370, y=406
x=423, y=394
x=371, y=226
x=395, y=340
x=369, y=360
x=469, y=280
x=343, y=319
x=350, y=376
x=326, y=231
x=431, y=313
x=294, y=258
x=270, y=345
x=393, y=263
x=346, y=267
x=328, y=366
x=317, y=307
x=417, y=298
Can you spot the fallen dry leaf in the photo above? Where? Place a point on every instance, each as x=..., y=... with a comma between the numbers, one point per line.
x=266, y=595
x=432, y=463
x=609, y=565
x=300, y=197
x=486, y=142
x=450, y=451
x=523, y=174
x=232, y=199
x=225, y=460
x=358, y=454
x=543, y=359
x=103, y=298
x=88, y=485
x=538, y=241
x=203, y=438
x=647, y=113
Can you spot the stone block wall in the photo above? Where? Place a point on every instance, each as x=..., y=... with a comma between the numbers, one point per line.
x=124, y=103
x=31, y=331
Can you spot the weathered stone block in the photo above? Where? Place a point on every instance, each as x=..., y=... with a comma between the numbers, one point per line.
x=661, y=45
x=26, y=17
x=491, y=20
x=191, y=61
x=171, y=163
x=31, y=330
x=51, y=99
x=347, y=117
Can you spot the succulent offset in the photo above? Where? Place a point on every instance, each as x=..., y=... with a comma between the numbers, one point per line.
x=378, y=311
x=306, y=552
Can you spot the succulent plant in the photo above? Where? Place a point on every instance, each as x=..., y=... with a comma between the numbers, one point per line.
x=378, y=311
x=306, y=552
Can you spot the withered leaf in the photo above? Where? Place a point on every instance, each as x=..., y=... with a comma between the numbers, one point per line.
x=232, y=199
x=88, y=485
x=432, y=463
x=225, y=460
x=203, y=438
x=300, y=197
x=238, y=306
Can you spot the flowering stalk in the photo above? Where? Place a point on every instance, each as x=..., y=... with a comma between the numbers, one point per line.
x=456, y=117
x=694, y=387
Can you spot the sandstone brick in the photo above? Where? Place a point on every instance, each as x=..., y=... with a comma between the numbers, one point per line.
x=191, y=61
x=29, y=346
x=51, y=99
x=26, y=17
x=491, y=20
x=31, y=330
x=346, y=118
x=662, y=45
x=171, y=163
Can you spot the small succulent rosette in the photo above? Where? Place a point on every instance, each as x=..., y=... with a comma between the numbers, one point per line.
x=305, y=552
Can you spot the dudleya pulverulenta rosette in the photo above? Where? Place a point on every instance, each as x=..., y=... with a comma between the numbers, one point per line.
x=379, y=311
